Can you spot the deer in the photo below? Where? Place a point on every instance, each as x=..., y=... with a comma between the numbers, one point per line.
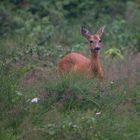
x=78, y=63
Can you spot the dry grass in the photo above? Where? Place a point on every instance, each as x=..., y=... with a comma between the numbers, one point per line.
x=126, y=68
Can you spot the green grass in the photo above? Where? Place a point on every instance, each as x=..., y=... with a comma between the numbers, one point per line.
x=33, y=36
x=68, y=109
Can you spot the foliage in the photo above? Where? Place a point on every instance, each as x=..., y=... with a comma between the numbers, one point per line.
x=35, y=34
x=114, y=53
x=73, y=108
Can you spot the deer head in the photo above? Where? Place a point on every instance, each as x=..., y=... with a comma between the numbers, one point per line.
x=94, y=40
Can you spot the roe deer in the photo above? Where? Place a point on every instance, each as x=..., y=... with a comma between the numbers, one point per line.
x=76, y=62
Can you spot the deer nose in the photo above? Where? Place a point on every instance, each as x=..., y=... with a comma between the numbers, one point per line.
x=97, y=48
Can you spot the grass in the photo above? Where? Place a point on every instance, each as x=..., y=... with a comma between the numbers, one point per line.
x=69, y=107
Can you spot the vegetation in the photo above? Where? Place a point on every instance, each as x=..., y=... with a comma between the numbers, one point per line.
x=36, y=103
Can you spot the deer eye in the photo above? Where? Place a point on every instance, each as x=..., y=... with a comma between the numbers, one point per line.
x=91, y=41
x=100, y=41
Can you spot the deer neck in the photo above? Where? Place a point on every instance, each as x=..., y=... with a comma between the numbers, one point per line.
x=95, y=62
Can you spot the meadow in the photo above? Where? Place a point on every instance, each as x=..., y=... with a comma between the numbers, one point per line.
x=37, y=103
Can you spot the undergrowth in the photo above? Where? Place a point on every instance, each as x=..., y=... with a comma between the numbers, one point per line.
x=36, y=103
x=70, y=107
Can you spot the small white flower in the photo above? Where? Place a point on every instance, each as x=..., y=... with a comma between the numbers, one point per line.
x=98, y=113
x=35, y=100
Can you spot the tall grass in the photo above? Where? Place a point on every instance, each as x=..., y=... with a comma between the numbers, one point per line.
x=69, y=107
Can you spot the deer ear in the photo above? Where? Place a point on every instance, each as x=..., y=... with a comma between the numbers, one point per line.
x=100, y=31
x=85, y=32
